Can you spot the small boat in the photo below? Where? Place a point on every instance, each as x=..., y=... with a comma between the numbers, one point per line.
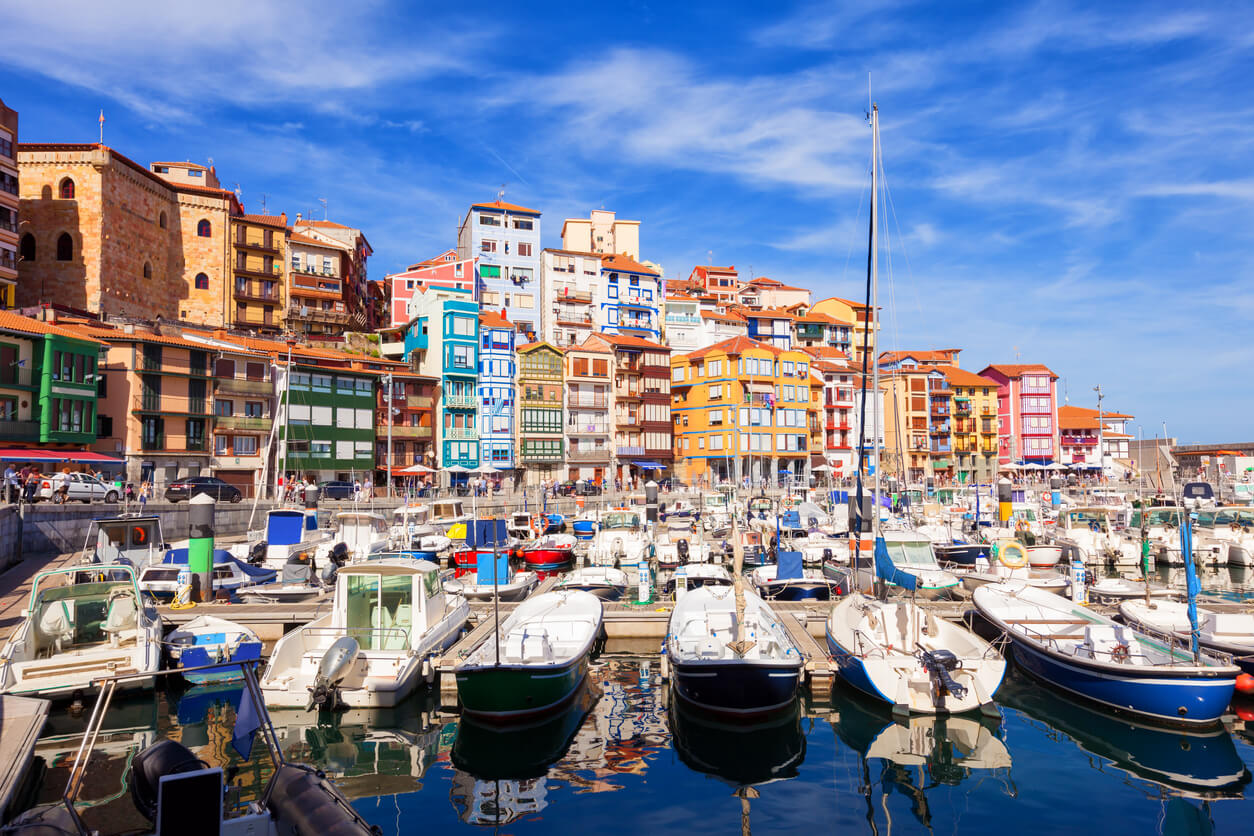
x=788, y=580
x=912, y=553
x=1010, y=563
x=288, y=531
x=483, y=538
x=230, y=574
x=620, y=541
x=584, y=527
x=479, y=586
x=553, y=523
x=695, y=576
x=1044, y=557
x=959, y=554
x=605, y=582
x=388, y=618
x=79, y=625
x=362, y=532
x=1111, y=590
x=209, y=640
x=680, y=547
x=678, y=508
x=899, y=653
x=448, y=512
x=550, y=553
x=1227, y=632
x=521, y=526
x=299, y=581
x=1087, y=654
x=702, y=644
x=534, y=663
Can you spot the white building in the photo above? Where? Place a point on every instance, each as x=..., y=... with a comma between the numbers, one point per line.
x=569, y=280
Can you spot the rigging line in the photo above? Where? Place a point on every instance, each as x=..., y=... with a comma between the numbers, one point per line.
x=891, y=207
x=853, y=239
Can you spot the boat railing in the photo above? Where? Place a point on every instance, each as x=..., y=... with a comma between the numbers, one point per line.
x=359, y=633
x=1179, y=649
x=871, y=648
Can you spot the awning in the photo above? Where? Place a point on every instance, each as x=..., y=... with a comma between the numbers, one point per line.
x=35, y=454
x=649, y=465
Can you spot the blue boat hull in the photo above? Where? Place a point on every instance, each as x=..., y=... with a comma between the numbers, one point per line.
x=851, y=669
x=737, y=688
x=961, y=554
x=1157, y=694
x=796, y=592
x=195, y=656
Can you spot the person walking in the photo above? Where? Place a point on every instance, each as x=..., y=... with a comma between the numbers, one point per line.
x=367, y=489
x=32, y=484
x=356, y=490
x=144, y=490
x=10, y=484
x=61, y=486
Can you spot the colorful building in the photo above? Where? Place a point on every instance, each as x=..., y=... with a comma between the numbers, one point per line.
x=588, y=401
x=541, y=422
x=772, y=326
x=835, y=379
x=355, y=251
x=329, y=428
x=495, y=393
x=974, y=425
x=864, y=325
x=721, y=282
x=741, y=408
x=569, y=281
x=315, y=288
x=259, y=265
x=632, y=301
x=762, y=292
x=245, y=404
x=505, y=238
x=409, y=400
x=1083, y=431
x=444, y=270
x=602, y=233
x=1027, y=412
x=641, y=409
x=9, y=205
x=818, y=330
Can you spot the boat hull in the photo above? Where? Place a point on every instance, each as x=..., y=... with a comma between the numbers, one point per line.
x=547, y=560
x=518, y=693
x=606, y=592
x=737, y=688
x=795, y=591
x=961, y=554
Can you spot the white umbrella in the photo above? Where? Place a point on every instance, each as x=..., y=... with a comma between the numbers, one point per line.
x=822, y=468
x=416, y=468
x=457, y=468
x=1056, y=466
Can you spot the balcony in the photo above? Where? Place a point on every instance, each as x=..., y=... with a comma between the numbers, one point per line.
x=595, y=428
x=534, y=398
x=583, y=399
x=565, y=294
x=275, y=272
x=1079, y=440
x=244, y=386
x=599, y=455
x=242, y=422
x=255, y=293
x=171, y=405
x=939, y=411
x=460, y=401
x=19, y=430
x=531, y=456
x=311, y=271
x=461, y=434
x=401, y=432
x=939, y=429
x=260, y=246
x=336, y=317
x=419, y=401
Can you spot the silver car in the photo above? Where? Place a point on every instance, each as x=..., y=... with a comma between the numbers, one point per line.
x=83, y=488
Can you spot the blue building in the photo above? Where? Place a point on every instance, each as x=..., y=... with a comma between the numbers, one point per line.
x=632, y=300
x=442, y=341
x=773, y=327
x=506, y=240
x=498, y=375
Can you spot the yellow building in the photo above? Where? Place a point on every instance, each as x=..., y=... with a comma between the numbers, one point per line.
x=847, y=310
x=742, y=408
x=259, y=265
x=974, y=425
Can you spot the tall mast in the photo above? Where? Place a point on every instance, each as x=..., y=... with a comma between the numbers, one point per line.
x=874, y=317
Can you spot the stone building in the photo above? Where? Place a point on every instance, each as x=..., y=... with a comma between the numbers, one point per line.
x=107, y=236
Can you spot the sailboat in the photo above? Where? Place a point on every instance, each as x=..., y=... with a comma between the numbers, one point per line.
x=895, y=651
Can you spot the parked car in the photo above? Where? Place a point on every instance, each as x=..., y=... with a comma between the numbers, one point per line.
x=83, y=488
x=185, y=489
x=335, y=489
x=580, y=487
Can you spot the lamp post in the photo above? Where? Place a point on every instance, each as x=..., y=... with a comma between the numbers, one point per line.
x=387, y=378
x=1101, y=445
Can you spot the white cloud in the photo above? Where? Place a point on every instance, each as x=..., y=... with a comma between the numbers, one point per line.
x=1235, y=189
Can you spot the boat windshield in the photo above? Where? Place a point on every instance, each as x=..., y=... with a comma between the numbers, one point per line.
x=911, y=552
x=1087, y=519
x=379, y=610
x=620, y=519
x=716, y=500
x=1226, y=516
x=1160, y=516
x=81, y=614
x=1025, y=514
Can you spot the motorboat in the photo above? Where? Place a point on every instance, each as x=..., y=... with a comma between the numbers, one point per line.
x=483, y=538
x=903, y=655
x=79, y=625
x=818, y=548
x=480, y=584
x=677, y=548
x=694, y=576
x=678, y=508
x=230, y=574
x=1113, y=590
x=620, y=541
x=959, y=553
x=361, y=532
x=1011, y=564
x=1198, y=495
x=534, y=662
x=716, y=511
x=585, y=525
x=789, y=580
x=1088, y=533
x=605, y=582
x=550, y=553
x=1044, y=557
x=912, y=552
x=299, y=581
x=388, y=618
x=1226, y=532
x=1221, y=632
x=522, y=526
x=1087, y=654
x=288, y=531
x=448, y=512
x=135, y=539
x=208, y=640
x=726, y=666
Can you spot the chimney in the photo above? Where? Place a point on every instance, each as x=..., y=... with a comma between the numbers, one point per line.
x=283, y=217
x=298, y=217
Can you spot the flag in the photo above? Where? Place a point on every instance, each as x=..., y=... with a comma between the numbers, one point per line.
x=247, y=721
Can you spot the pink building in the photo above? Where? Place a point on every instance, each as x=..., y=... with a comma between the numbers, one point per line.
x=443, y=271
x=1027, y=412
x=722, y=282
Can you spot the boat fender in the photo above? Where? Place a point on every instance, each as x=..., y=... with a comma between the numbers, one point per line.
x=1012, y=554
x=428, y=671
x=1245, y=683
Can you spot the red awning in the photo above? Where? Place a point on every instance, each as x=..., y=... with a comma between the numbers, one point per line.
x=36, y=454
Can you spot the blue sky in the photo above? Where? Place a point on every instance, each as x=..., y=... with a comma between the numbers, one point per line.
x=1070, y=184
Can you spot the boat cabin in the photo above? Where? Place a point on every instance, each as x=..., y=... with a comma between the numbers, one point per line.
x=413, y=514
x=387, y=604
x=447, y=511
x=1092, y=518
x=126, y=539
x=1232, y=517
x=621, y=519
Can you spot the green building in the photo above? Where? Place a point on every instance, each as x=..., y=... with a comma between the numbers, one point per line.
x=48, y=386
x=330, y=421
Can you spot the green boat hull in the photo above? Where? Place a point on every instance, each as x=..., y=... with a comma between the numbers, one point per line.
x=514, y=693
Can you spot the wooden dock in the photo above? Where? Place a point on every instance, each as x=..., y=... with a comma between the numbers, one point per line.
x=21, y=721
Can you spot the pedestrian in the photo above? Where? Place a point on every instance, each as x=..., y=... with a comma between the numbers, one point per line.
x=32, y=484
x=356, y=490
x=61, y=486
x=144, y=490
x=367, y=489
x=10, y=483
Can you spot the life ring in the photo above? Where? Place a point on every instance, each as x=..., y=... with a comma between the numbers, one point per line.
x=1012, y=554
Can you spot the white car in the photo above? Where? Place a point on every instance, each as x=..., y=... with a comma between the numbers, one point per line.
x=83, y=488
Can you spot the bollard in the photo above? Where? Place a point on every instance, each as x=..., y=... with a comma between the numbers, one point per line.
x=1055, y=491
x=200, y=543
x=1004, y=499
x=650, y=501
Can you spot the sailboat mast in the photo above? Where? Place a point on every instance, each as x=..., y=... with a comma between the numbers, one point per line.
x=874, y=316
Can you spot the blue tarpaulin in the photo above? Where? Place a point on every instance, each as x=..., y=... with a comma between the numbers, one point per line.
x=789, y=567
x=484, y=573
x=1191, y=583
x=486, y=533
x=886, y=569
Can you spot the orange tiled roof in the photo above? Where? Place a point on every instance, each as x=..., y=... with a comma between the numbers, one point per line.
x=771, y=313
x=539, y=344
x=265, y=220
x=625, y=264
x=505, y=207
x=326, y=224
x=621, y=340
x=718, y=317
x=962, y=377
x=492, y=319
x=1078, y=411
x=733, y=346
x=10, y=321
x=1019, y=369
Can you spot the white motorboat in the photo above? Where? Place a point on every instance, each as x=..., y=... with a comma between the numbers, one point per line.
x=407, y=521
x=230, y=574
x=288, y=532
x=1227, y=632
x=715, y=511
x=79, y=625
x=695, y=576
x=1227, y=534
x=446, y=513
x=605, y=582
x=712, y=671
x=620, y=541
x=897, y=652
x=819, y=547
x=388, y=618
x=128, y=538
x=997, y=572
x=1088, y=532
x=912, y=553
x=1108, y=590
x=362, y=532
x=789, y=580
x=676, y=548
x=478, y=585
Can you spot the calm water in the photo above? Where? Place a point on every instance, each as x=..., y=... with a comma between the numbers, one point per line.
x=624, y=761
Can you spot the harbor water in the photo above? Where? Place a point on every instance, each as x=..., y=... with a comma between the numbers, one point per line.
x=624, y=758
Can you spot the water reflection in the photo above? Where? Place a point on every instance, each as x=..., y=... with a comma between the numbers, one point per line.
x=742, y=754
x=1196, y=763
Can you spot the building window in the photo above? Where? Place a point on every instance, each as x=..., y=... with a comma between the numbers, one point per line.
x=202, y=281
x=487, y=245
x=252, y=409
x=67, y=189
x=28, y=247
x=161, y=221
x=245, y=445
x=204, y=229
x=147, y=270
x=524, y=249
x=223, y=408
x=520, y=223
x=65, y=247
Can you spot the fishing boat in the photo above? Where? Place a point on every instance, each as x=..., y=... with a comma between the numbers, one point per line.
x=553, y=523
x=550, y=553
x=288, y=531
x=1231, y=633
x=78, y=626
x=484, y=537
x=534, y=662
x=361, y=532
x=209, y=640
x=789, y=580
x=448, y=512
x=731, y=657
x=676, y=548
x=605, y=582
x=620, y=541
x=1088, y=654
x=135, y=539
x=388, y=619
x=585, y=526
x=522, y=526
x=300, y=580
x=483, y=584
x=230, y=574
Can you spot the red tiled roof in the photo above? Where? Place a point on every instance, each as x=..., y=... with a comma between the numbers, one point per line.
x=265, y=220
x=733, y=346
x=626, y=264
x=494, y=320
x=541, y=344
x=10, y=321
x=327, y=224
x=1019, y=369
x=621, y=341
x=435, y=260
x=943, y=356
x=718, y=317
x=505, y=207
x=770, y=313
x=962, y=377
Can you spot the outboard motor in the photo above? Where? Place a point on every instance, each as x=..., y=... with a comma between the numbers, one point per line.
x=298, y=570
x=681, y=549
x=938, y=664
x=165, y=757
x=257, y=552
x=336, y=664
x=339, y=554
